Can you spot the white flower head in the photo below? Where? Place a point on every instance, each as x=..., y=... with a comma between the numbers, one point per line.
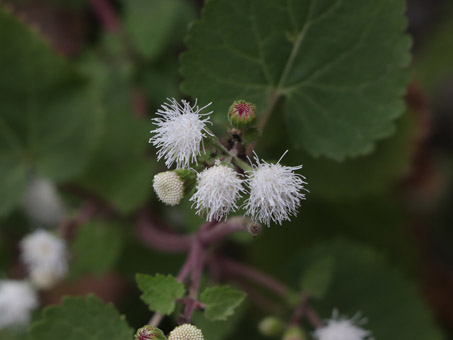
x=42, y=203
x=180, y=132
x=186, y=332
x=341, y=328
x=17, y=300
x=275, y=191
x=45, y=257
x=218, y=189
x=169, y=187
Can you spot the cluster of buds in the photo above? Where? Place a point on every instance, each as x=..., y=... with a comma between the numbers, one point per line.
x=275, y=191
x=183, y=332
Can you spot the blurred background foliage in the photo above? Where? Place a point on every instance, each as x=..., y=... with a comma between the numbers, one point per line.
x=80, y=114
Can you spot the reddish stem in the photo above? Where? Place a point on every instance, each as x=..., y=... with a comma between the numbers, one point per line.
x=106, y=15
x=158, y=239
x=222, y=230
x=241, y=270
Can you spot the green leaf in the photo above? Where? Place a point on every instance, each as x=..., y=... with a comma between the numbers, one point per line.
x=339, y=66
x=160, y=292
x=96, y=248
x=220, y=302
x=370, y=174
x=119, y=173
x=219, y=330
x=363, y=281
x=316, y=278
x=49, y=120
x=81, y=318
x=154, y=24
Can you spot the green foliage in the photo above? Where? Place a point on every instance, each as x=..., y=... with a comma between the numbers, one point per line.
x=364, y=281
x=81, y=318
x=370, y=174
x=340, y=66
x=49, y=120
x=119, y=173
x=220, y=302
x=95, y=248
x=160, y=292
x=316, y=278
x=154, y=24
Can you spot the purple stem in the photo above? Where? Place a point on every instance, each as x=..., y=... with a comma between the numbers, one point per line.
x=158, y=239
x=241, y=270
x=106, y=15
x=222, y=230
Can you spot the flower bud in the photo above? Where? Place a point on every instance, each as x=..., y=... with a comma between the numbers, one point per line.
x=149, y=333
x=271, y=326
x=294, y=333
x=170, y=186
x=241, y=114
x=254, y=228
x=186, y=332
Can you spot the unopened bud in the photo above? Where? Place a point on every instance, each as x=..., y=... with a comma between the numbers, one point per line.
x=294, y=333
x=254, y=228
x=241, y=113
x=149, y=333
x=271, y=326
x=186, y=332
x=170, y=186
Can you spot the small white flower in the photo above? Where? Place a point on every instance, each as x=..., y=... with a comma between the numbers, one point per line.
x=180, y=132
x=169, y=187
x=186, y=332
x=340, y=328
x=275, y=191
x=218, y=189
x=17, y=300
x=42, y=204
x=45, y=257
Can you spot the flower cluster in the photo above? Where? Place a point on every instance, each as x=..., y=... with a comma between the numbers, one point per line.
x=186, y=332
x=341, y=328
x=45, y=257
x=275, y=191
x=17, y=300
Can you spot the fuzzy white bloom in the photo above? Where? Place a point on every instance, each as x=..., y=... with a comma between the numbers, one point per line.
x=186, y=332
x=17, y=300
x=180, y=132
x=218, y=189
x=275, y=191
x=45, y=257
x=340, y=328
x=42, y=204
x=169, y=187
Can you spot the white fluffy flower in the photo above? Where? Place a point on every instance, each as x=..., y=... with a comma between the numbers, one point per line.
x=186, y=332
x=17, y=300
x=45, y=257
x=180, y=132
x=340, y=328
x=169, y=187
x=218, y=189
x=41, y=202
x=275, y=192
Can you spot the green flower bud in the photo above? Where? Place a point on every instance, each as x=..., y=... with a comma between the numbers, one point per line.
x=271, y=326
x=294, y=333
x=149, y=333
x=241, y=114
x=171, y=186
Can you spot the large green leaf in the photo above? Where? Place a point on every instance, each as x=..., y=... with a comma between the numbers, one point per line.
x=119, y=173
x=339, y=65
x=363, y=281
x=155, y=24
x=48, y=117
x=81, y=318
x=95, y=248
